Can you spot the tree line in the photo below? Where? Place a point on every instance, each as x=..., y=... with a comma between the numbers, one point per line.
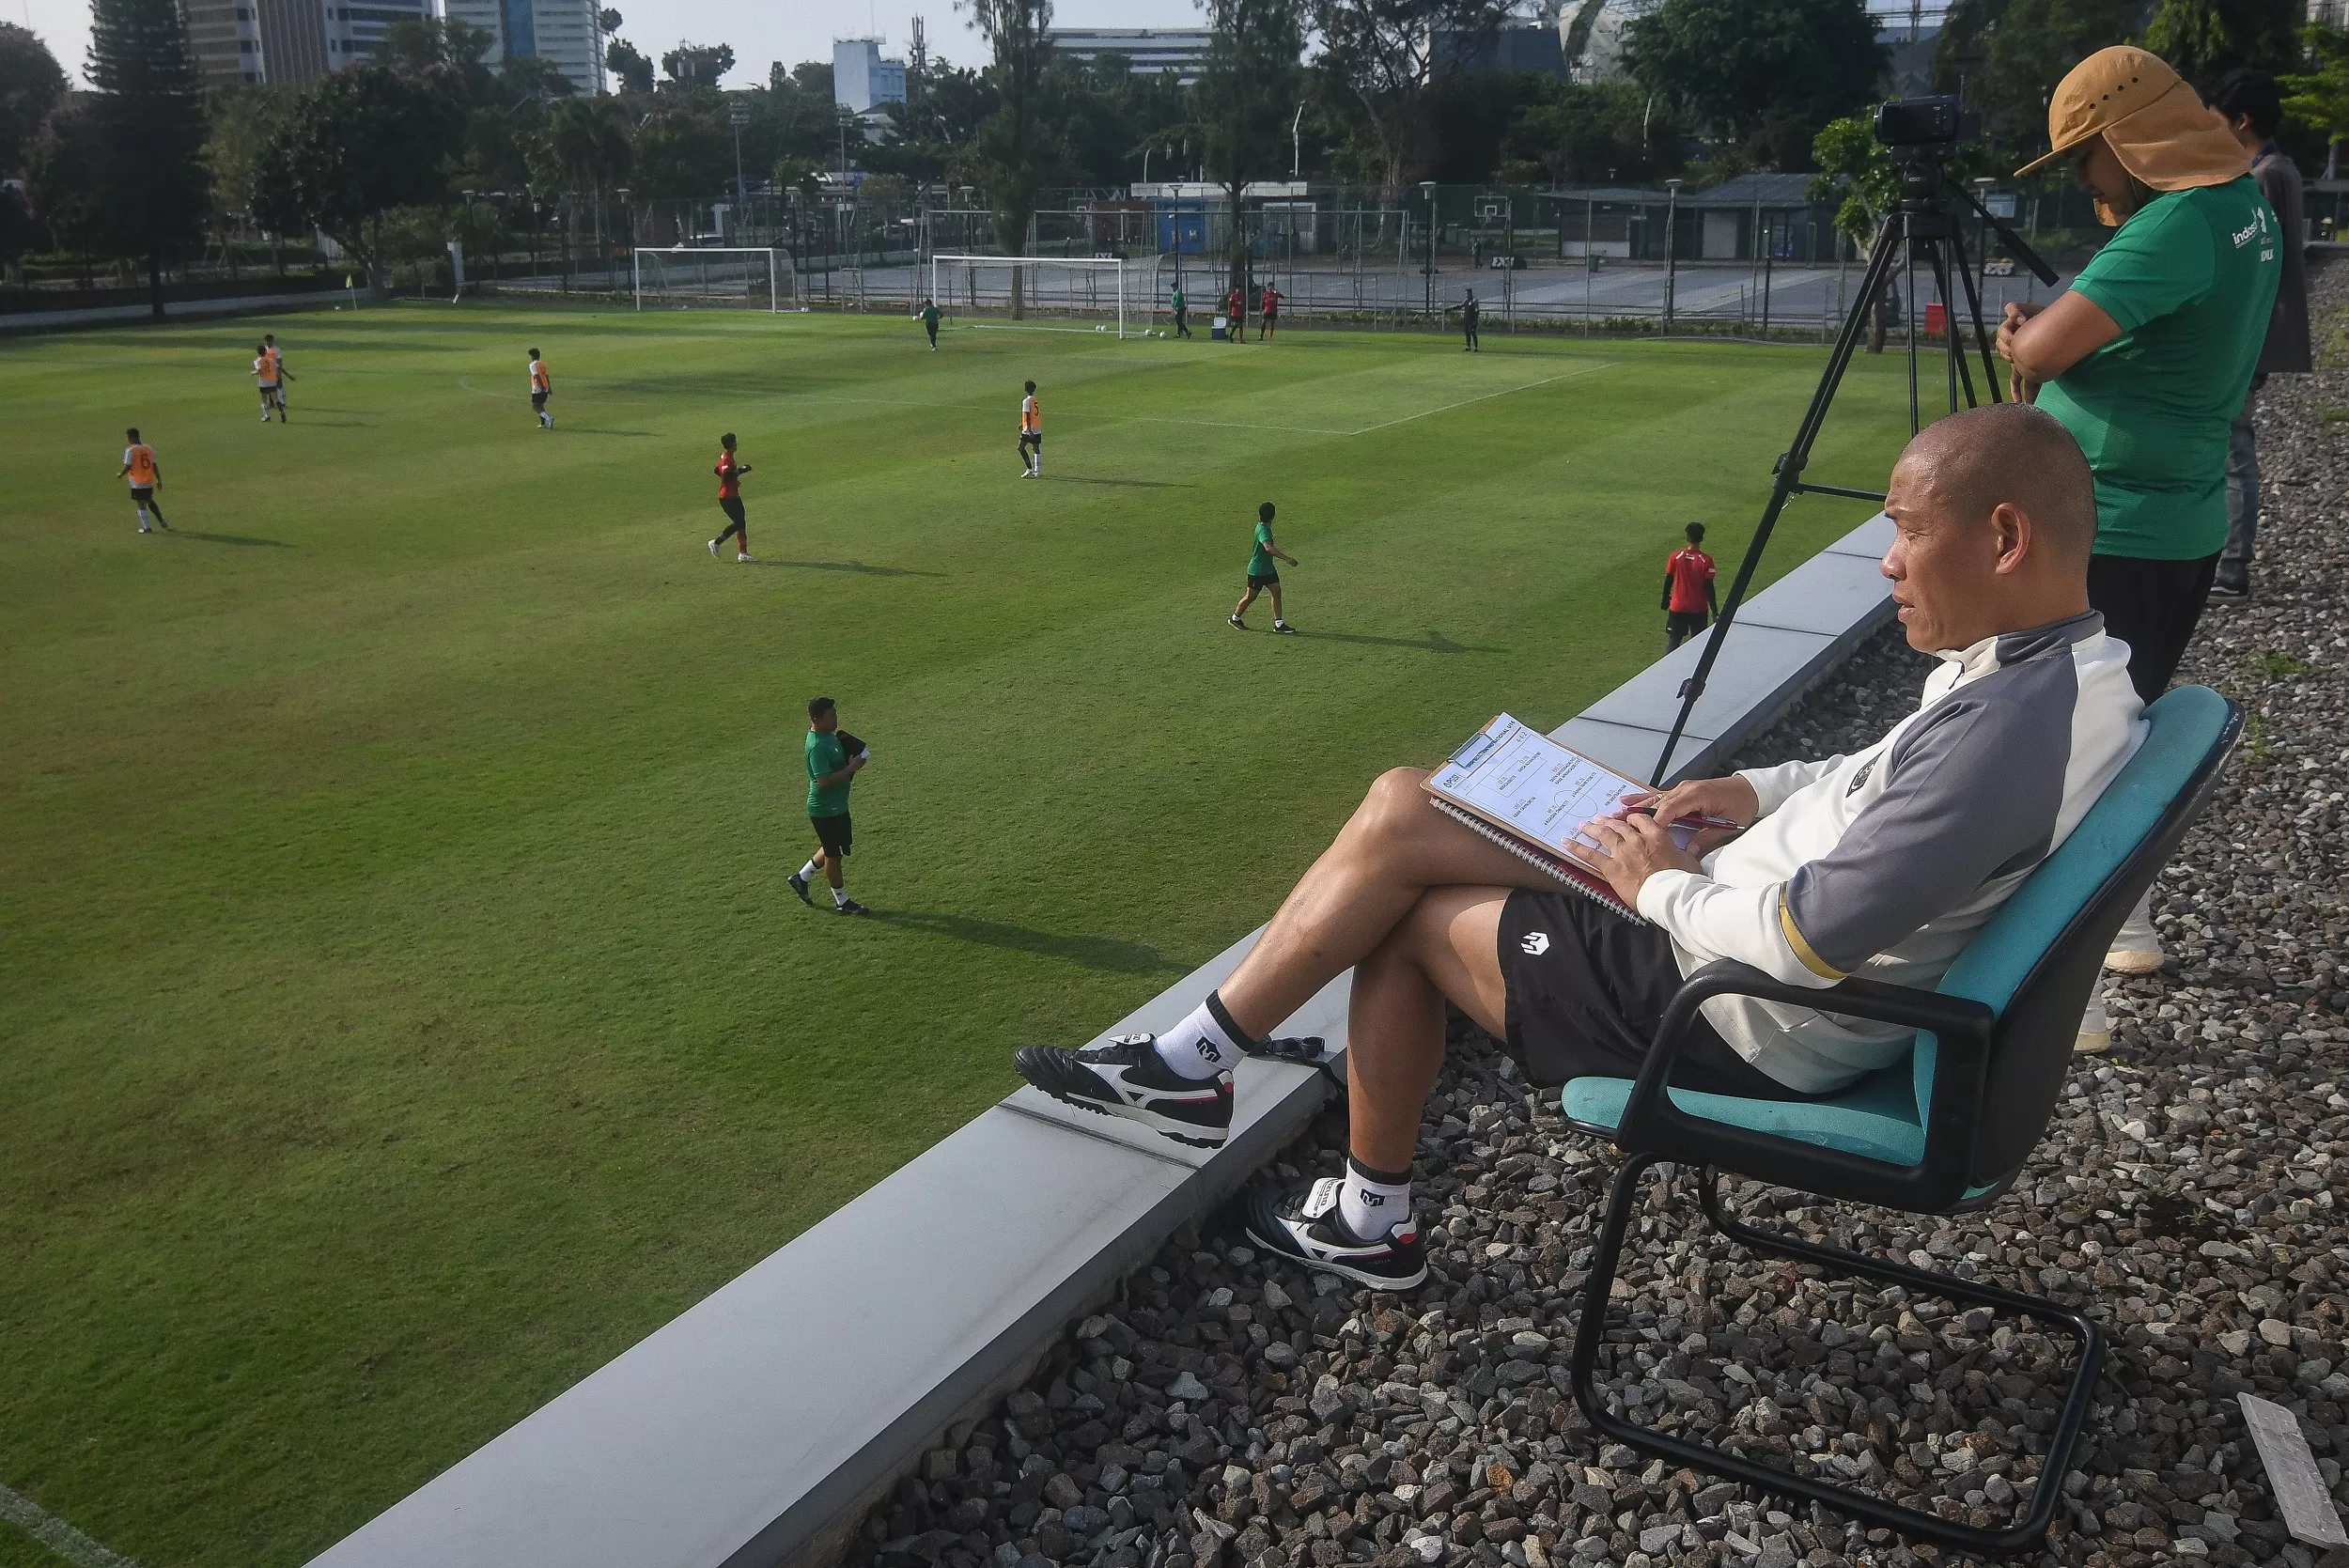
x=390, y=158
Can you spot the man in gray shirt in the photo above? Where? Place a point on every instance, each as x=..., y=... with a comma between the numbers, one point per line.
x=2248, y=101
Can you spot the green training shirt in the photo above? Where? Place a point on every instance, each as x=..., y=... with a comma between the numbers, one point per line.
x=2191, y=278
x=825, y=754
x=930, y=317
x=1260, y=564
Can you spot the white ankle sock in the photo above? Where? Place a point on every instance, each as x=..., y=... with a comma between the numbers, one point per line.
x=1372, y=1202
x=807, y=871
x=1202, y=1045
x=839, y=896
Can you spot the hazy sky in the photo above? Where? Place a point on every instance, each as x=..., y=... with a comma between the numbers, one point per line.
x=761, y=33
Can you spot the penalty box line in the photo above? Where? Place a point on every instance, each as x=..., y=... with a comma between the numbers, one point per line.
x=55, y=1534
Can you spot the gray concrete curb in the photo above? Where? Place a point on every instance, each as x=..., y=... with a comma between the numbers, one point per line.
x=755, y=1429
x=177, y=310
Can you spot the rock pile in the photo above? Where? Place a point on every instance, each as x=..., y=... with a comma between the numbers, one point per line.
x=1225, y=1414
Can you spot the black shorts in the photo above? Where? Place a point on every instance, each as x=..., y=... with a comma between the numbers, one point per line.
x=1266, y=580
x=142, y=493
x=2152, y=606
x=537, y=400
x=1586, y=990
x=1031, y=438
x=832, y=833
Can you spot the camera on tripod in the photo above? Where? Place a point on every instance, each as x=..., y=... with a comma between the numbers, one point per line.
x=1925, y=129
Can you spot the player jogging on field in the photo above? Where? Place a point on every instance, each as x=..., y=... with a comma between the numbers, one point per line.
x=1267, y=312
x=1031, y=436
x=277, y=363
x=146, y=477
x=265, y=376
x=928, y=314
x=1261, y=577
x=729, y=471
x=834, y=758
x=1689, y=604
x=542, y=388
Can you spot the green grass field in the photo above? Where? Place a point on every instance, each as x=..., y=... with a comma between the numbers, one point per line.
x=401, y=1010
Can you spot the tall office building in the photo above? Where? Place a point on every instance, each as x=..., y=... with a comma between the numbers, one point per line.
x=861, y=79
x=563, y=33
x=290, y=42
x=1147, y=49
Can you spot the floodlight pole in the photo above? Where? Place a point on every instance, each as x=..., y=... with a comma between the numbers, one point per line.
x=741, y=117
x=1427, y=189
x=1671, y=249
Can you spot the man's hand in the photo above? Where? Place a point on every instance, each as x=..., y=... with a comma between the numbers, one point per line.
x=856, y=763
x=1731, y=797
x=1631, y=849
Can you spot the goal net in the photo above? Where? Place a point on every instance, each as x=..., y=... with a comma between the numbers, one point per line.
x=711, y=277
x=1111, y=292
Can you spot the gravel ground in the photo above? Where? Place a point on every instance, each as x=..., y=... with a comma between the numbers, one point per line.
x=1227, y=1414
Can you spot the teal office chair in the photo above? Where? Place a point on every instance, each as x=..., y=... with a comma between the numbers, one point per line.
x=1945, y=1132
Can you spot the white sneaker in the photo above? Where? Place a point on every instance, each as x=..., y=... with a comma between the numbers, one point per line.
x=2096, y=1035
x=713, y=550
x=2137, y=949
x=744, y=560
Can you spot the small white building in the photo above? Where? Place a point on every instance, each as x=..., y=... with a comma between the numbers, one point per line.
x=862, y=79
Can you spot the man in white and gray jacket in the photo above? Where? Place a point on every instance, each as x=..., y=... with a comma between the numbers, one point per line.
x=1882, y=863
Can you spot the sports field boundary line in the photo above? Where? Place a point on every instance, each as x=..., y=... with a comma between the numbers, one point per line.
x=55, y=1534
x=1486, y=398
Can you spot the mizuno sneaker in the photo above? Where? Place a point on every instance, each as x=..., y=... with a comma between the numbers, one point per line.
x=1126, y=1078
x=1302, y=1224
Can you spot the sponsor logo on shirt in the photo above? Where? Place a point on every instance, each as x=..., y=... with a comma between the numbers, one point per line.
x=1862, y=777
x=1535, y=943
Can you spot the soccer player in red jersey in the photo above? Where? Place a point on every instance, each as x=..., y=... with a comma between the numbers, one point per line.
x=1237, y=306
x=1267, y=312
x=1689, y=604
x=729, y=471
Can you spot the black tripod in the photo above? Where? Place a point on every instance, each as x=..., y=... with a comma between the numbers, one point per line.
x=1917, y=226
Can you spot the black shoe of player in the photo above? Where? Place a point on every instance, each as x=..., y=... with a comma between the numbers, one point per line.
x=2224, y=586
x=1238, y=623
x=798, y=885
x=1302, y=1224
x=1126, y=1078
x=850, y=907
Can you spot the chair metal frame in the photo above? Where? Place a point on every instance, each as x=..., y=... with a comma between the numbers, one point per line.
x=1970, y=1037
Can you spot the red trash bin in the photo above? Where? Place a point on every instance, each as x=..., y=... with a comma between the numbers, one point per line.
x=1937, y=319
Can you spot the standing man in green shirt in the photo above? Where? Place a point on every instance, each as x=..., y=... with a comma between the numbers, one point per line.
x=834, y=758
x=2147, y=358
x=1261, y=576
x=928, y=313
x=1182, y=313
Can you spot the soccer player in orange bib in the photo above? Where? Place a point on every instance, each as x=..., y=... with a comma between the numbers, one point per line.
x=146, y=477
x=542, y=388
x=1031, y=436
x=276, y=362
x=265, y=376
x=729, y=471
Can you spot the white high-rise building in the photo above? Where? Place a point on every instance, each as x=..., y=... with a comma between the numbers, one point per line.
x=861, y=79
x=563, y=33
x=289, y=44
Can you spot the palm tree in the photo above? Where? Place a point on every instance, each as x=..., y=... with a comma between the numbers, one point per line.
x=588, y=140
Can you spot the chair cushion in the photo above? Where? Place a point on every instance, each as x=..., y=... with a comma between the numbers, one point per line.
x=1875, y=1117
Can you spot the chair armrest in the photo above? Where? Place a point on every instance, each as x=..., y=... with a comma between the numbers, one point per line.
x=1961, y=1027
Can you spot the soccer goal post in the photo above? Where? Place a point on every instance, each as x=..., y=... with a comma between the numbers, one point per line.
x=1049, y=285
x=688, y=277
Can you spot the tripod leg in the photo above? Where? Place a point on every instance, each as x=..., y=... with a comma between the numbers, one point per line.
x=1982, y=336
x=1908, y=276
x=1789, y=474
x=1957, y=355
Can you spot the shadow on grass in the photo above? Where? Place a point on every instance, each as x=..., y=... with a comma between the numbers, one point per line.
x=562, y=428
x=1435, y=642
x=1107, y=953
x=1120, y=484
x=857, y=567
x=229, y=538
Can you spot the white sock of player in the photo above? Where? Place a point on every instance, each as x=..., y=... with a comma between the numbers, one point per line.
x=1205, y=1044
x=839, y=896
x=142, y=519
x=807, y=872
x=1372, y=1202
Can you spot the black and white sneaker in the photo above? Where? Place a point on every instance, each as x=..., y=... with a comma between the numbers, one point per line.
x=1302, y=1224
x=1237, y=625
x=798, y=885
x=1126, y=1078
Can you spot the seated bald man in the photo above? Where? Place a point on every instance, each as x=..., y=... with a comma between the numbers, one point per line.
x=1881, y=863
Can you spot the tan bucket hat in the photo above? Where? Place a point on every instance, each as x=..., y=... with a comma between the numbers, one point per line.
x=2157, y=125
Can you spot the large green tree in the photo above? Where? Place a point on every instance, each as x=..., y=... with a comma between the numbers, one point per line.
x=1590, y=133
x=1377, y=74
x=1761, y=76
x=693, y=67
x=2318, y=97
x=147, y=112
x=2009, y=54
x=1248, y=97
x=1018, y=147
x=2203, y=39
x=61, y=177
x=31, y=84
x=362, y=141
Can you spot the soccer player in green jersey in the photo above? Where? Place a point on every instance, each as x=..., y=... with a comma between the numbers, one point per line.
x=834, y=758
x=1261, y=577
x=928, y=313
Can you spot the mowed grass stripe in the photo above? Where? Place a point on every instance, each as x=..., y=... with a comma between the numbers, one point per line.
x=401, y=1012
